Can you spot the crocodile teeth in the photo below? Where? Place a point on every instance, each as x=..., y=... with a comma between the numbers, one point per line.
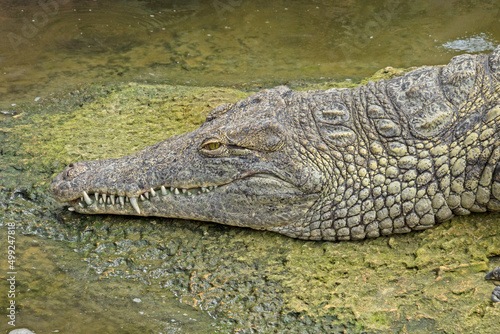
x=112, y=200
x=80, y=203
x=87, y=198
x=133, y=201
x=71, y=208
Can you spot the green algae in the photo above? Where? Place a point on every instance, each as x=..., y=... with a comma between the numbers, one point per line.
x=245, y=280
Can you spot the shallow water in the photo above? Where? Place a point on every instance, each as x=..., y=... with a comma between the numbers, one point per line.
x=54, y=44
x=55, y=293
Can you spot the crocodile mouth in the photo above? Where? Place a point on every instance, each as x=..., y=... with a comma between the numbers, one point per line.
x=255, y=188
x=105, y=202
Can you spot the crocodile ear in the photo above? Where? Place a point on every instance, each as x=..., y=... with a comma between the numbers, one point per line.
x=265, y=137
x=218, y=111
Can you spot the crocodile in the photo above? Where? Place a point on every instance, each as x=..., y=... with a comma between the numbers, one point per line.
x=388, y=157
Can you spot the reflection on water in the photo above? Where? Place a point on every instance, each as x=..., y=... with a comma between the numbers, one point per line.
x=55, y=44
x=477, y=43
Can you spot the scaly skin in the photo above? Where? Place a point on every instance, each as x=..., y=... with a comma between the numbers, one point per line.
x=343, y=164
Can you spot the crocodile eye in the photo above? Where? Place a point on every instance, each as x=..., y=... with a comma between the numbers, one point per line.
x=211, y=145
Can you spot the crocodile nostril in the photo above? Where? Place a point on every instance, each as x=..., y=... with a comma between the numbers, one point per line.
x=72, y=171
x=66, y=175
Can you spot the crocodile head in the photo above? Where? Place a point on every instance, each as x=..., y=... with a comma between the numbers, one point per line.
x=239, y=168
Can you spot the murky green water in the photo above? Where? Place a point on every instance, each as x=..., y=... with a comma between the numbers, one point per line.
x=194, y=277
x=52, y=44
x=55, y=293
